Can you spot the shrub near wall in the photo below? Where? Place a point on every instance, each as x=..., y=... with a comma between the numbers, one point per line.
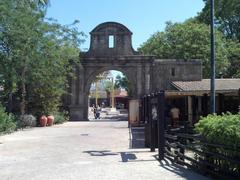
x=225, y=130
x=60, y=117
x=27, y=120
x=7, y=121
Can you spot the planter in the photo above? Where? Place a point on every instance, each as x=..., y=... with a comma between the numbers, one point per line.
x=50, y=120
x=43, y=121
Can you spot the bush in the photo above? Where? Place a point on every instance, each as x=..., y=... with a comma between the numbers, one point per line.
x=223, y=129
x=27, y=121
x=7, y=121
x=60, y=117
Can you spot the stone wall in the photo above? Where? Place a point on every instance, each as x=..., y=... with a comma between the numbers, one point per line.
x=166, y=70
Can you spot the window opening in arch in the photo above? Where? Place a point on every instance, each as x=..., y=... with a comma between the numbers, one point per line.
x=110, y=41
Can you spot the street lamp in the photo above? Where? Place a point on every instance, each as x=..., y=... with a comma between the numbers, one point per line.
x=213, y=93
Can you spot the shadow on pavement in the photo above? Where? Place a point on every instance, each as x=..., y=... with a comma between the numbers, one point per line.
x=131, y=157
x=101, y=153
x=127, y=156
x=116, y=118
x=180, y=170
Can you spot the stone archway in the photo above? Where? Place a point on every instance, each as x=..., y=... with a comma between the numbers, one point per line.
x=92, y=77
x=111, y=49
x=101, y=57
x=128, y=75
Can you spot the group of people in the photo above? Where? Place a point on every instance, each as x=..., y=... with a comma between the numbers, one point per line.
x=96, y=111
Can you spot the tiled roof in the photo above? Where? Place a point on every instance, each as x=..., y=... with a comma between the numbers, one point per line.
x=204, y=85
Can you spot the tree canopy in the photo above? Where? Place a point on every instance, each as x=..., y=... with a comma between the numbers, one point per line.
x=124, y=83
x=188, y=40
x=36, y=56
x=227, y=14
x=191, y=39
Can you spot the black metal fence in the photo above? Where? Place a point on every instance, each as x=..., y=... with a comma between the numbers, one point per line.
x=183, y=146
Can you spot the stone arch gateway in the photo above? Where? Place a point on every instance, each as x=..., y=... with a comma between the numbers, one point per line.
x=111, y=49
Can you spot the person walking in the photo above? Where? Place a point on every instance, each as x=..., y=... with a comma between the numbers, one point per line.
x=98, y=110
x=94, y=110
x=175, y=113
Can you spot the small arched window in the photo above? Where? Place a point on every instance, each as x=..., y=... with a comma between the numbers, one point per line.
x=110, y=41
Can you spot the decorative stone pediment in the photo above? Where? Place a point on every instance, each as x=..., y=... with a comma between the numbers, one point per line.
x=110, y=39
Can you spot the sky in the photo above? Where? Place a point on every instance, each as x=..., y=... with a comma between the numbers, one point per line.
x=142, y=17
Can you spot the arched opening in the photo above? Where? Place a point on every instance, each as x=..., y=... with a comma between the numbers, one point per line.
x=108, y=95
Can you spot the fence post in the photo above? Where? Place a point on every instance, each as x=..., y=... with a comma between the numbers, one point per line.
x=182, y=141
x=161, y=124
x=151, y=125
x=147, y=121
x=239, y=100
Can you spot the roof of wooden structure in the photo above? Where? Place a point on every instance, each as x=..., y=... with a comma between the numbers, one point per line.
x=199, y=88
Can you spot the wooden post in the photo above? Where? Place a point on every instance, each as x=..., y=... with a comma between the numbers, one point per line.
x=190, y=110
x=205, y=105
x=220, y=103
x=148, y=99
x=161, y=124
x=239, y=100
x=151, y=125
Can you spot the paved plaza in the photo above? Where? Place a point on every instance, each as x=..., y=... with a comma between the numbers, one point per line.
x=95, y=150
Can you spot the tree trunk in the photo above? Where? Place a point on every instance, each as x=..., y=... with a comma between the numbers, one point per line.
x=23, y=93
x=10, y=102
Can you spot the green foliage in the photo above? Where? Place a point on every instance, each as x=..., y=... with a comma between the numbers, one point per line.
x=227, y=20
x=227, y=13
x=108, y=86
x=60, y=117
x=27, y=121
x=123, y=82
x=188, y=40
x=36, y=55
x=7, y=121
x=233, y=48
x=223, y=129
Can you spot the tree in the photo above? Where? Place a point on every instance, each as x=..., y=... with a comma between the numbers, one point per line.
x=227, y=13
x=36, y=56
x=123, y=82
x=188, y=40
x=234, y=59
x=18, y=38
x=59, y=51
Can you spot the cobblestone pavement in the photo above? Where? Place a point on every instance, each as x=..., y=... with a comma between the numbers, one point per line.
x=94, y=150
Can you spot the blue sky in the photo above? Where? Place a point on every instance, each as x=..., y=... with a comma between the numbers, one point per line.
x=142, y=17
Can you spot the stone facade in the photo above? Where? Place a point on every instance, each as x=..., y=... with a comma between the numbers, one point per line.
x=145, y=73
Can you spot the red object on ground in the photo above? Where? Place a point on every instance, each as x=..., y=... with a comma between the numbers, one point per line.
x=50, y=120
x=43, y=121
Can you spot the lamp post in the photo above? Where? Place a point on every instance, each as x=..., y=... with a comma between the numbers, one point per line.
x=213, y=93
